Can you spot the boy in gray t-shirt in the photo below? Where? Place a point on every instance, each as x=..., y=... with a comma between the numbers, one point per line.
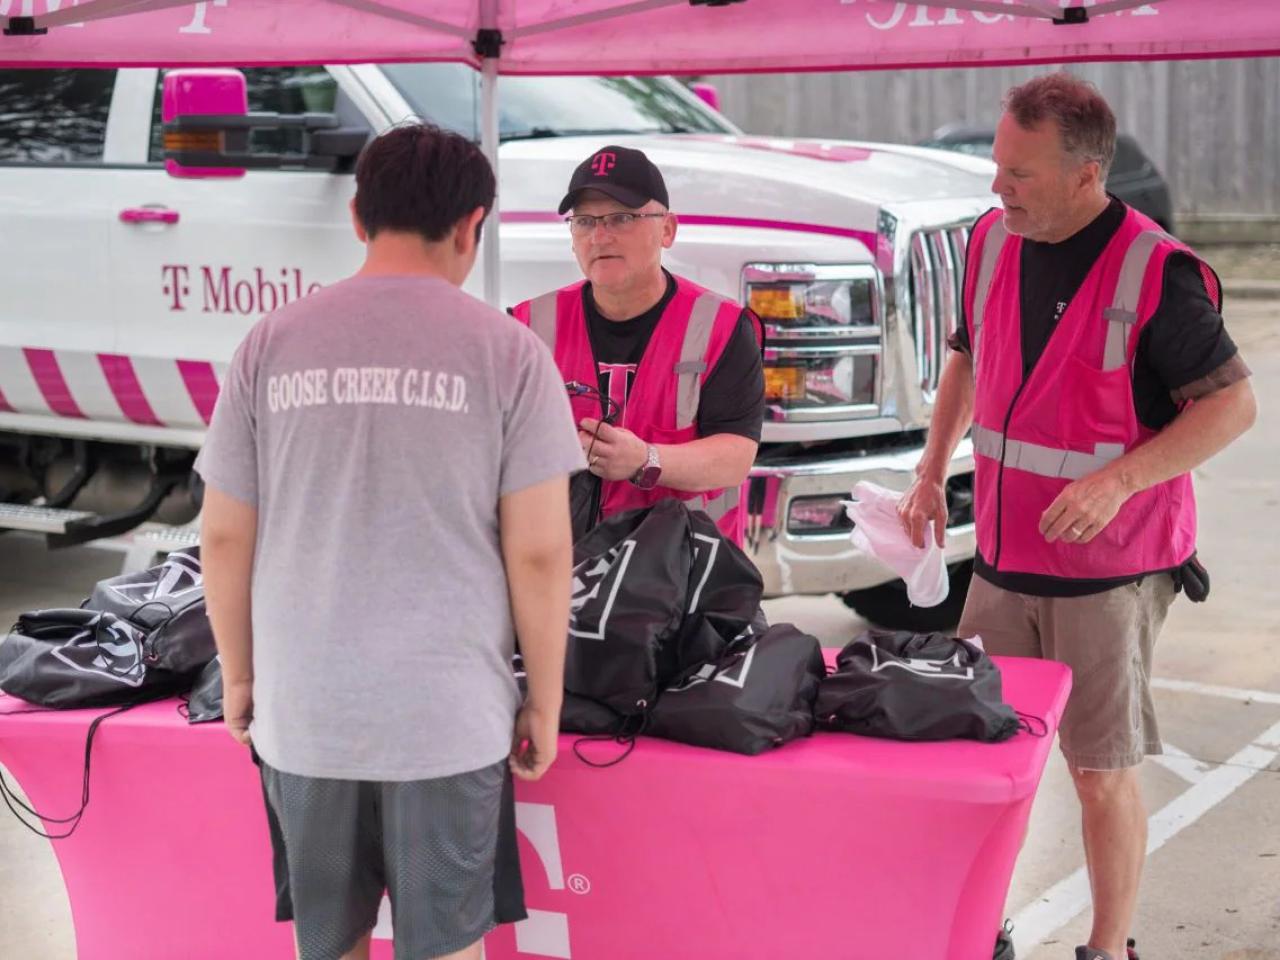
x=386, y=508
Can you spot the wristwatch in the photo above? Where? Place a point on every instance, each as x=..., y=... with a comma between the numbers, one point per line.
x=646, y=478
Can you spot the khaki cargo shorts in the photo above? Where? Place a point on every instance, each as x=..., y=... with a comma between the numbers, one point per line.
x=1106, y=639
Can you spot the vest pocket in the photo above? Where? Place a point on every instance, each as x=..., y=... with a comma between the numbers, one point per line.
x=1096, y=405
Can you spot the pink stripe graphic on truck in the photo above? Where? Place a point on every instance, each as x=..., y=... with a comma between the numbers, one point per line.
x=52, y=384
x=202, y=385
x=123, y=381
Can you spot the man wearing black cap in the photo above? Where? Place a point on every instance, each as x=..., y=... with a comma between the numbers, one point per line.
x=676, y=368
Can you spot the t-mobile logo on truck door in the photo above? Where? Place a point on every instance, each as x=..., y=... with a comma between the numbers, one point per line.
x=545, y=933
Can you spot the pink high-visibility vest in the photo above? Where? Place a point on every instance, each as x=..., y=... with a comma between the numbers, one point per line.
x=1074, y=413
x=662, y=406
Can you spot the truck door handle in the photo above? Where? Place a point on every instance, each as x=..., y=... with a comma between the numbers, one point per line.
x=148, y=215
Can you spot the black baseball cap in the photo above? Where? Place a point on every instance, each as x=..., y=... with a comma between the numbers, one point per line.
x=626, y=175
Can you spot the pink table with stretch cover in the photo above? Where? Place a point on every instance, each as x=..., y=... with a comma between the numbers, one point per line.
x=837, y=847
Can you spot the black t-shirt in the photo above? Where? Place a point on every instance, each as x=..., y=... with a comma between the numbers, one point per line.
x=1184, y=342
x=732, y=398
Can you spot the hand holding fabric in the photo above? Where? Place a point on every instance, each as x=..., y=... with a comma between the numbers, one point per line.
x=924, y=501
x=878, y=529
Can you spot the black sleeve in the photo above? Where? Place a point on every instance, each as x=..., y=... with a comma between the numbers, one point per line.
x=732, y=398
x=1184, y=351
x=1184, y=341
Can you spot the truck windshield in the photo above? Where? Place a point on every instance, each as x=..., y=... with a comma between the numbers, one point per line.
x=448, y=94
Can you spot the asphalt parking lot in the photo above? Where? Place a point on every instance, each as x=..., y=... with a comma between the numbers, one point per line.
x=1212, y=888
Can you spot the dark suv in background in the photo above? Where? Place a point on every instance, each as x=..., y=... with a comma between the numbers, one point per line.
x=1133, y=178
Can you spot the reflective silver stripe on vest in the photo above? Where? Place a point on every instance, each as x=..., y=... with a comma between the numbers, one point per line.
x=693, y=363
x=542, y=318
x=1043, y=461
x=717, y=507
x=991, y=247
x=1122, y=315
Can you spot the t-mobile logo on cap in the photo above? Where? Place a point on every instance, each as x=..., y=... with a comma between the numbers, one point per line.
x=603, y=162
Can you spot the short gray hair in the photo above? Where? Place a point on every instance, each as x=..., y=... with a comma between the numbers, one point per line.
x=1083, y=118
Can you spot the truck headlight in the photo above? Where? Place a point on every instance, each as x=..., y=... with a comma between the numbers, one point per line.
x=814, y=303
x=795, y=378
x=823, y=340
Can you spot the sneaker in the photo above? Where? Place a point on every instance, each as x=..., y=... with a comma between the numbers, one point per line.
x=1004, y=943
x=1089, y=953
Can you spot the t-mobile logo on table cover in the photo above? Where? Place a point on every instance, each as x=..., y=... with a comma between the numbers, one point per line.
x=545, y=933
x=603, y=162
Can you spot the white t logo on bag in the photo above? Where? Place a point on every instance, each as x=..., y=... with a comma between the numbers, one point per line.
x=596, y=582
x=735, y=676
x=948, y=669
x=699, y=556
x=545, y=933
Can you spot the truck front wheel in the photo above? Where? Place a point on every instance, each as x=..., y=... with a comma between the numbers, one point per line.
x=887, y=605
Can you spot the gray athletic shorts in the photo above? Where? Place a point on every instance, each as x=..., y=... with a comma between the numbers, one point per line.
x=444, y=850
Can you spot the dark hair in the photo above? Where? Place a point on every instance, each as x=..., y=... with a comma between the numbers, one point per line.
x=1084, y=121
x=418, y=178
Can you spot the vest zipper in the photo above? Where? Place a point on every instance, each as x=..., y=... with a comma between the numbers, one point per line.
x=1004, y=441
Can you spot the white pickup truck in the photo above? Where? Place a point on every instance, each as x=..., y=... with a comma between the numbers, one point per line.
x=125, y=290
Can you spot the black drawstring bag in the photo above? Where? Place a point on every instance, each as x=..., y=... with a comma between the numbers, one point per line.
x=630, y=587
x=67, y=658
x=912, y=686
x=205, y=703
x=724, y=595
x=577, y=714
x=585, y=492
x=167, y=602
x=597, y=722
x=757, y=696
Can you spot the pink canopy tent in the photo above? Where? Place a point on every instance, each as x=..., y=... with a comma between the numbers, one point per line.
x=637, y=36
x=629, y=36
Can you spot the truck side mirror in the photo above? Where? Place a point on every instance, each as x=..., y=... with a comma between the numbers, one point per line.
x=208, y=131
x=188, y=93
x=707, y=93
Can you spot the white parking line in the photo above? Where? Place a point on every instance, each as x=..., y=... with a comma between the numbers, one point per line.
x=1231, y=693
x=1182, y=763
x=1065, y=900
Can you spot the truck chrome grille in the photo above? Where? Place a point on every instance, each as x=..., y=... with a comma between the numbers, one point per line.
x=936, y=289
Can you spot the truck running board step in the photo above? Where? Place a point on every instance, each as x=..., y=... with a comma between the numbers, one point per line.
x=95, y=526
x=17, y=516
x=149, y=543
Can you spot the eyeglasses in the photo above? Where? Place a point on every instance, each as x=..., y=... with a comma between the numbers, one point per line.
x=581, y=224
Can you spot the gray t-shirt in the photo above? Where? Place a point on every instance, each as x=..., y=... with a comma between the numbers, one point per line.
x=374, y=425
